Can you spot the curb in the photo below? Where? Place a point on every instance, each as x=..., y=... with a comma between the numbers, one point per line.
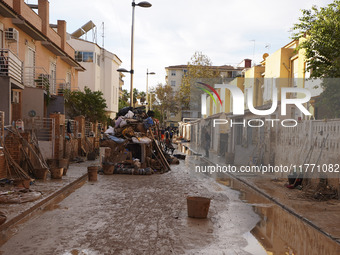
x=284, y=207
x=43, y=203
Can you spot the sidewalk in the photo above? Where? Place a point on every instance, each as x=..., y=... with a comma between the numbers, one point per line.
x=321, y=215
x=141, y=214
x=50, y=190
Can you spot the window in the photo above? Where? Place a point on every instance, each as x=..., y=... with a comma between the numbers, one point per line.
x=173, y=72
x=30, y=66
x=84, y=56
x=173, y=83
x=68, y=80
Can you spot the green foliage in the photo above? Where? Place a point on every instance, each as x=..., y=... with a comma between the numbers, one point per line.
x=158, y=114
x=90, y=104
x=321, y=29
x=199, y=68
x=164, y=101
x=135, y=96
x=142, y=97
x=124, y=100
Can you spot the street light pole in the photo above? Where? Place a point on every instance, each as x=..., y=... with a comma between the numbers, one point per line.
x=132, y=46
x=147, y=88
x=143, y=4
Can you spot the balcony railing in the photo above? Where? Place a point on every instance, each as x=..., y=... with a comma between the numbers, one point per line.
x=38, y=77
x=10, y=65
x=62, y=86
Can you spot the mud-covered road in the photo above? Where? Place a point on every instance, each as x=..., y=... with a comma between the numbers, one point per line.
x=126, y=214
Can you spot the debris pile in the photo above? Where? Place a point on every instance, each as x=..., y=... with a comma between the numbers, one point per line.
x=29, y=157
x=134, y=145
x=23, y=159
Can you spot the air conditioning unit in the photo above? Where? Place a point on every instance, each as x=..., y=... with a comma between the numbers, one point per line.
x=11, y=34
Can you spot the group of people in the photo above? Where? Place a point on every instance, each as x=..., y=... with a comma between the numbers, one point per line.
x=166, y=136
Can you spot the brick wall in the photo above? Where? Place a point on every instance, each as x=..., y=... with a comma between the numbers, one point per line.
x=14, y=145
x=59, y=135
x=71, y=148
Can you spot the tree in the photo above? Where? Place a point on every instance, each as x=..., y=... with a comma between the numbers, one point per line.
x=90, y=104
x=142, y=97
x=124, y=100
x=321, y=29
x=135, y=96
x=164, y=101
x=199, y=68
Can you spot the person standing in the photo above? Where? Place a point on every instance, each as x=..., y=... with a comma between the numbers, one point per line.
x=207, y=142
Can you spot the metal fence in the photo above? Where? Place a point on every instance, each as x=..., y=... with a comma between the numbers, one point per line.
x=73, y=127
x=89, y=129
x=44, y=129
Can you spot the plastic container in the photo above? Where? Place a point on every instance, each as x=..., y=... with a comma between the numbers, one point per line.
x=198, y=207
x=41, y=173
x=64, y=163
x=57, y=173
x=108, y=169
x=92, y=173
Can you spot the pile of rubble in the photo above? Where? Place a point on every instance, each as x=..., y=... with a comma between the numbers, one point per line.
x=134, y=145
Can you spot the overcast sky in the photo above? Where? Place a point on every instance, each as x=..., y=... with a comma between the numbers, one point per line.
x=171, y=31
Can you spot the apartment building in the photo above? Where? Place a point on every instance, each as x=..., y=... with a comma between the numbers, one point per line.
x=174, y=75
x=36, y=62
x=101, y=69
x=284, y=68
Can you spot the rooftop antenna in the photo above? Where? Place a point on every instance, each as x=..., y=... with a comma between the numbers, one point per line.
x=253, y=52
x=103, y=33
x=103, y=37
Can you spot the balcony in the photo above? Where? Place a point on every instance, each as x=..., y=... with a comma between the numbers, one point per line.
x=11, y=65
x=38, y=77
x=62, y=86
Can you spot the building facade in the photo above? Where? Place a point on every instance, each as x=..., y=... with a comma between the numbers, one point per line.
x=36, y=62
x=175, y=74
x=101, y=71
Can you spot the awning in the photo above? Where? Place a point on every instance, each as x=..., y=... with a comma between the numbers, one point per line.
x=54, y=49
x=28, y=29
x=6, y=12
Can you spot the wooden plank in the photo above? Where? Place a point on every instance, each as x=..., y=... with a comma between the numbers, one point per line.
x=160, y=153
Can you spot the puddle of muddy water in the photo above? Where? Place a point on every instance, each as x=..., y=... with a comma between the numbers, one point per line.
x=278, y=232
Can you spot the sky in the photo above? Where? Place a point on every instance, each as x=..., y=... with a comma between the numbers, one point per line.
x=170, y=32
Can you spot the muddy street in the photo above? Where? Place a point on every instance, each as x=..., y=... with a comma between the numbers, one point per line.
x=127, y=214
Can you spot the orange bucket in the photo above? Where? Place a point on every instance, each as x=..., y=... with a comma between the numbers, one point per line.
x=198, y=207
x=92, y=173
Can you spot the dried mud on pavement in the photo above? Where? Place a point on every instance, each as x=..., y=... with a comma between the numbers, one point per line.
x=128, y=214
